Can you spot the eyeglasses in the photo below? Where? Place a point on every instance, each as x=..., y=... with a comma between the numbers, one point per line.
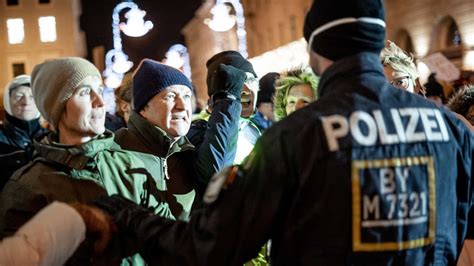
x=401, y=82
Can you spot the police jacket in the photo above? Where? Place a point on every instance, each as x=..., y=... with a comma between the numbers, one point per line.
x=367, y=175
x=16, y=149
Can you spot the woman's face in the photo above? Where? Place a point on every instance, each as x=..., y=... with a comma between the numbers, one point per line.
x=298, y=97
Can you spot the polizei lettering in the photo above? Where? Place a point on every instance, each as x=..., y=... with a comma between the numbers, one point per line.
x=406, y=124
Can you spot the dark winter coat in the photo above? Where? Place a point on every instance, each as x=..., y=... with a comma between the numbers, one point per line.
x=16, y=144
x=188, y=167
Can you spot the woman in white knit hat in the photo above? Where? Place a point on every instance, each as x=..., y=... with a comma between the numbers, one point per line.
x=20, y=127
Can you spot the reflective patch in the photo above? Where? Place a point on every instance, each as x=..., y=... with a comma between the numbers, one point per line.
x=221, y=180
x=393, y=204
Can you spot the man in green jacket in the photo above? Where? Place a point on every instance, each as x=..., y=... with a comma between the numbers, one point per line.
x=79, y=160
x=160, y=121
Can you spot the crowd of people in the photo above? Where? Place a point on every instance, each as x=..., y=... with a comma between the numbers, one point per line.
x=347, y=161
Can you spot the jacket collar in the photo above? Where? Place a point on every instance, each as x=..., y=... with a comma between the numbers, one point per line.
x=156, y=138
x=77, y=156
x=349, y=70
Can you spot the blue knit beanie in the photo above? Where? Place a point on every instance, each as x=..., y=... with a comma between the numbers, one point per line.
x=151, y=78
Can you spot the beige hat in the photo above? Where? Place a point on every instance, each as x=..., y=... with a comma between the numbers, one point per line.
x=54, y=81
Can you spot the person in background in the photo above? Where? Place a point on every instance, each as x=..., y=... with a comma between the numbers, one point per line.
x=295, y=89
x=264, y=117
x=123, y=102
x=402, y=73
x=20, y=127
x=400, y=70
x=434, y=90
x=248, y=132
x=462, y=102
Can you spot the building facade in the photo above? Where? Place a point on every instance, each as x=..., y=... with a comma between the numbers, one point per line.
x=273, y=23
x=270, y=24
x=424, y=27
x=202, y=44
x=36, y=30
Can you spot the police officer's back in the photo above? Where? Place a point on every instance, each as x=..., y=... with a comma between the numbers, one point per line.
x=366, y=175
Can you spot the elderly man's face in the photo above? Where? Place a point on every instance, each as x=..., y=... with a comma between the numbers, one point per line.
x=22, y=104
x=84, y=114
x=170, y=110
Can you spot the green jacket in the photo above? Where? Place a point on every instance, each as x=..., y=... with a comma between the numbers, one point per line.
x=175, y=157
x=77, y=174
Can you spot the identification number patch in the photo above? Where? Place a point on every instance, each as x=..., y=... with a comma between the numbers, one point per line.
x=393, y=203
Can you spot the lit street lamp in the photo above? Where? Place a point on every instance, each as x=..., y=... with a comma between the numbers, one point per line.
x=116, y=61
x=112, y=78
x=177, y=56
x=223, y=21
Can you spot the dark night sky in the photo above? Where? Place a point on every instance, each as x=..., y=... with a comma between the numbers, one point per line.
x=168, y=17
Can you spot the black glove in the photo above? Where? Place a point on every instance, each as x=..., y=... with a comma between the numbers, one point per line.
x=227, y=80
x=127, y=216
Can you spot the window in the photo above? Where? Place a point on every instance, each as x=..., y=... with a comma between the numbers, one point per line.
x=12, y=2
x=16, y=30
x=47, y=27
x=18, y=69
x=454, y=37
x=44, y=1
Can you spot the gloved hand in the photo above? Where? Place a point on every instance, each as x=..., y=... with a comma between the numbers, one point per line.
x=127, y=215
x=98, y=225
x=227, y=79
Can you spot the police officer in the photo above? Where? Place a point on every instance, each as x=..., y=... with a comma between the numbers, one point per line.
x=366, y=175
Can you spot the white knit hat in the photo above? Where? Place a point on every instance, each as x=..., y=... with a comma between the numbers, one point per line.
x=22, y=80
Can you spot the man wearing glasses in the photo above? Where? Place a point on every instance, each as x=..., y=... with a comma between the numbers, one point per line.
x=235, y=66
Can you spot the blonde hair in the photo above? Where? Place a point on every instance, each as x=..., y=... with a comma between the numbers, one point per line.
x=284, y=84
x=399, y=60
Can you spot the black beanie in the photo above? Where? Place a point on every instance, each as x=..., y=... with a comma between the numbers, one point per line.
x=267, y=88
x=340, y=28
x=231, y=58
x=151, y=78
